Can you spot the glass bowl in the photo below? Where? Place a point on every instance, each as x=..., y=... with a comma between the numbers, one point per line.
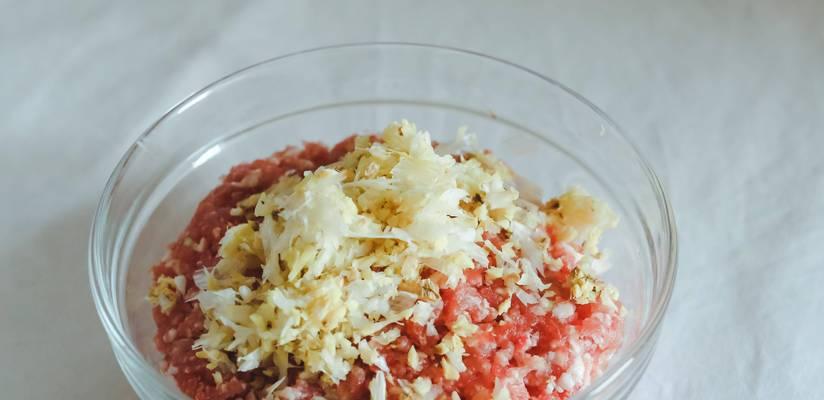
x=546, y=132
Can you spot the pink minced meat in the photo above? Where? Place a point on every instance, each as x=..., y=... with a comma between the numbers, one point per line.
x=523, y=349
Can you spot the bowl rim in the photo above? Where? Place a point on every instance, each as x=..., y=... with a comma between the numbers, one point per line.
x=116, y=331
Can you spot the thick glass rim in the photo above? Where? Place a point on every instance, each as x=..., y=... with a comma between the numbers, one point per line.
x=101, y=285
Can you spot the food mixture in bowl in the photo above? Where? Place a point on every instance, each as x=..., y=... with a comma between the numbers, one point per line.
x=386, y=267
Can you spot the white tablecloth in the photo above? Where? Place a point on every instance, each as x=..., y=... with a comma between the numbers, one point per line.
x=726, y=100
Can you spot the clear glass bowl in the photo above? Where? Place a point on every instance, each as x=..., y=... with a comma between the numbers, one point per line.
x=546, y=132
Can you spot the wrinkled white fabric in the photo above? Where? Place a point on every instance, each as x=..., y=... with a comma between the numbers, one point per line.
x=726, y=100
